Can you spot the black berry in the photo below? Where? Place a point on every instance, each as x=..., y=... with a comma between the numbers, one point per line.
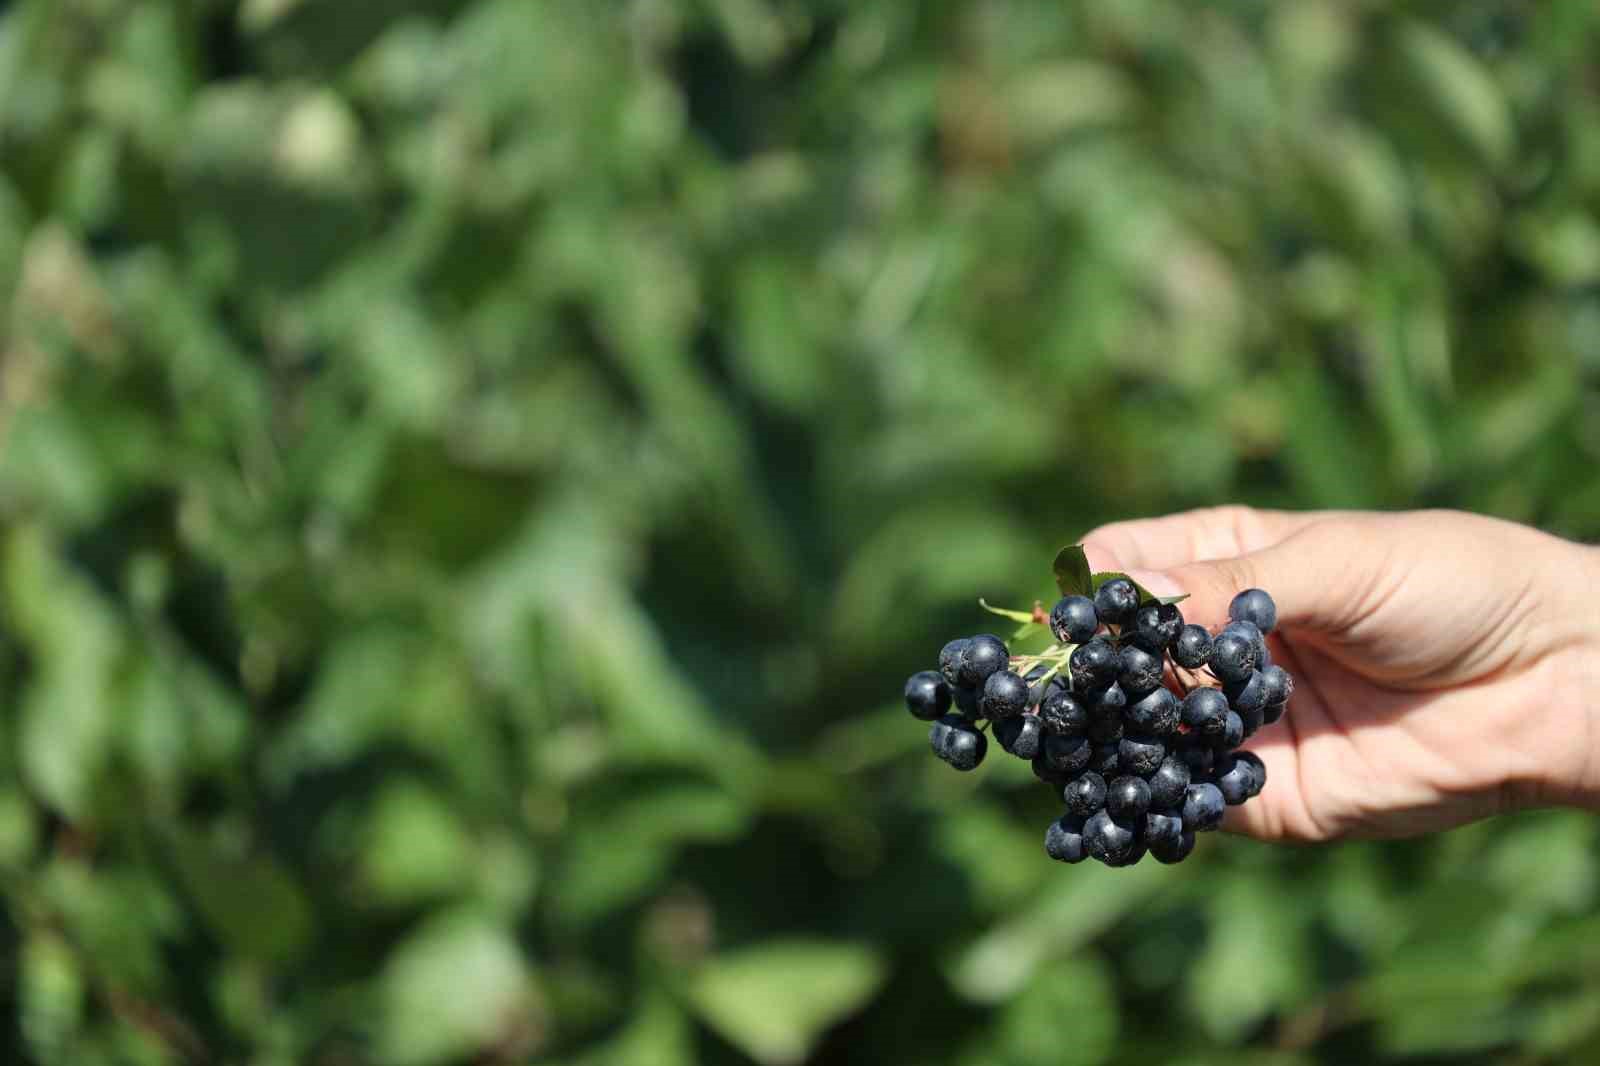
x=1138, y=671
x=1116, y=601
x=1192, y=648
x=1205, y=712
x=1106, y=840
x=1063, y=841
x=1062, y=715
x=1202, y=807
x=1258, y=770
x=1005, y=695
x=1233, y=656
x=1173, y=853
x=1093, y=665
x=1085, y=793
x=1254, y=606
x=984, y=655
x=1162, y=829
x=1233, y=732
x=1156, y=712
x=1066, y=755
x=1156, y=626
x=1073, y=619
x=1168, y=783
x=1128, y=798
x=927, y=695
x=1280, y=686
x=1235, y=779
x=1140, y=754
x=964, y=746
x=950, y=659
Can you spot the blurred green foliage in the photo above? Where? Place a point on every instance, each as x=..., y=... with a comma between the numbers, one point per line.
x=474, y=474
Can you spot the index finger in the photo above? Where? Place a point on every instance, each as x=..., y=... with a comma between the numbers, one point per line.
x=1191, y=536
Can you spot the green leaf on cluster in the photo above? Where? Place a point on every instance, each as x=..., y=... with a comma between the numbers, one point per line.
x=1073, y=577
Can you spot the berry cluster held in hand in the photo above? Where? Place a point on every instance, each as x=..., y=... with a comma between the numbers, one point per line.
x=1132, y=715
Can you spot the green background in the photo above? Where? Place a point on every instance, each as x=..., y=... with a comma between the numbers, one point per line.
x=474, y=475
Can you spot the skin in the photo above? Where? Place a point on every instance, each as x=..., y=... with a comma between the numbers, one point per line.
x=1444, y=663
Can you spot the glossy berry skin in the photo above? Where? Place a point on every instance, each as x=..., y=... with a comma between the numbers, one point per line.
x=1128, y=799
x=1233, y=656
x=1073, y=619
x=1030, y=739
x=1173, y=853
x=1258, y=770
x=1107, y=841
x=1085, y=793
x=1233, y=735
x=1272, y=712
x=1156, y=713
x=1252, y=721
x=1205, y=711
x=1256, y=607
x=1134, y=854
x=927, y=695
x=1062, y=715
x=1202, y=808
x=1066, y=755
x=1168, y=783
x=1140, y=754
x=1063, y=841
x=1162, y=827
x=1138, y=671
x=985, y=655
x=1006, y=732
x=1093, y=665
x=965, y=747
x=966, y=702
x=1247, y=695
x=939, y=734
x=950, y=659
x=1156, y=626
x=1116, y=601
x=1005, y=695
x=1235, y=779
x=1192, y=647
x=1106, y=759
x=1107, y=730
x=1257, y=639
x=1279, y=684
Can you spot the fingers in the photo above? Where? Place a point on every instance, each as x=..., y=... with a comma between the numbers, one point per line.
x=1191, y=536
x=1317, y=576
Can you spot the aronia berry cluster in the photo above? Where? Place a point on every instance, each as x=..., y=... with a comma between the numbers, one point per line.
x=1134, y=716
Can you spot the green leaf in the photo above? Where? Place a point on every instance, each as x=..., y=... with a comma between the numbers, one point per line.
x=1145, y=595
x=1072, y=571
x=774, y=1000
x=252, y=903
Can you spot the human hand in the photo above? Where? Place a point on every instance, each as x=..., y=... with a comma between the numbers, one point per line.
x=1445, y=663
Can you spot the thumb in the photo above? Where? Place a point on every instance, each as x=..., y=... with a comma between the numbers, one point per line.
x=1314, y=576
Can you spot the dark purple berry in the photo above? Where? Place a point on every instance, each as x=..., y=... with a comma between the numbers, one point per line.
x=1085, y=793
x=1093, y=665
x=1247, y=695
x=1140, y=754
x=939, y=734
x=1006, y=732
x=1138, y=671
x=1108, y=702
x=1116, y=601
x=927, y=695
x=1192, y=648
x=1235, y=779
x=1005, y=695
x=1107, y=841
x=1156, y=626
x=1156, y=712
x=1030, y=739
x=1062, y=715
x=1233, y=656
x=964, y=746
x=1063, y=841
x=1173, y=853
x=1258, y=770
x=950, y=660
x=1073, y=619
x=985, y=655
x=1047, y=773
x=1067, y=755
x=1272, y=712
x=1254, y=606
x=1202, y=807
x=1168, y=783
x=1162, y=828
x=1233, y=733
x=1279, y=684
x=1205, y=711
x=1257, y=639
x=966, y=701
x=1128, y=798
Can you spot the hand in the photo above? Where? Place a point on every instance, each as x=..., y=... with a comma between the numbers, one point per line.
x=1445, y=663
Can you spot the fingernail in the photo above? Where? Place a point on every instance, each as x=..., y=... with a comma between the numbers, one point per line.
x=1157, y=583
